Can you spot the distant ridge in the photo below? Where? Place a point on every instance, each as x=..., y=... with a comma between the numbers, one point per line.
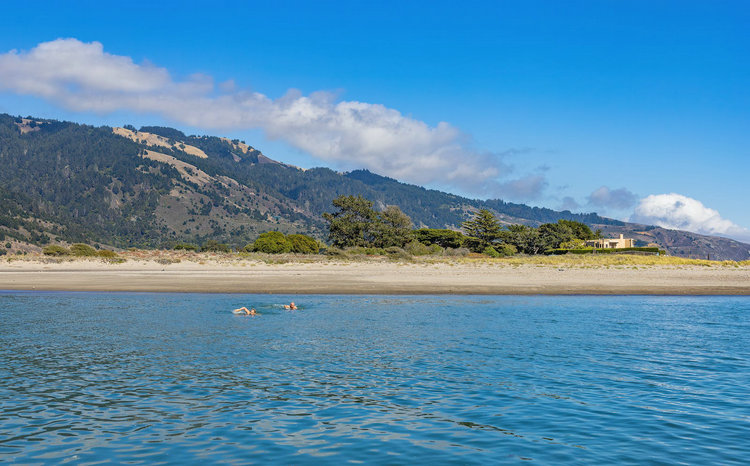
x=156, y=186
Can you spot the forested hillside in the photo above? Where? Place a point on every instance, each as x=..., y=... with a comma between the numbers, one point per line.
x=156, y=186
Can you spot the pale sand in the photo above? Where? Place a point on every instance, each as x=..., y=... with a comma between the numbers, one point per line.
x=371, y=278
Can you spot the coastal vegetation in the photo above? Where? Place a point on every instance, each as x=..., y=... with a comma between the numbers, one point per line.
x=356, y=224
x=275, y=242
x=78, y=250
x=158, y=188
x=446, y=257
x=357, y=230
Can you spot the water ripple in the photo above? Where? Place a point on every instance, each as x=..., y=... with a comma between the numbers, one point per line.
x=138, y=378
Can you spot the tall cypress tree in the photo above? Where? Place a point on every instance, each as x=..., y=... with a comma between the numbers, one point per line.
x=483, y=226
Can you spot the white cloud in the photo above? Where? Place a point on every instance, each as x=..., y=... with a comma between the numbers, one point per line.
x=680, y=212
x=348, y=134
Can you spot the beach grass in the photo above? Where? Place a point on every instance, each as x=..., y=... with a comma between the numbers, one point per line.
x=167, y=257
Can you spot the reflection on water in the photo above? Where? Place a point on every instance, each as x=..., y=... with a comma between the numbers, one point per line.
x=177, y=378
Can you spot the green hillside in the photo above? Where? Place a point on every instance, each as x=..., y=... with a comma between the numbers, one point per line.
x=156, y=186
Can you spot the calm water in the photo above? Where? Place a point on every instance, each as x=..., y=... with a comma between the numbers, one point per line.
x=175, y=378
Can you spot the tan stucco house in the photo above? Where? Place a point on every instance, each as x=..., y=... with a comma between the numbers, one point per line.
x=611, y=243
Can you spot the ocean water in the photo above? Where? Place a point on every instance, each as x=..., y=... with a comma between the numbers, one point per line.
x=176, y=378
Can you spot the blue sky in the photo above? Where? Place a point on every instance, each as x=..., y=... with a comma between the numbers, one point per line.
x=632, y=109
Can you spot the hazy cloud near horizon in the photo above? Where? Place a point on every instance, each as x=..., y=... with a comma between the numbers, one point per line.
x=618, y=199
x=680, y=212
x=348, y=134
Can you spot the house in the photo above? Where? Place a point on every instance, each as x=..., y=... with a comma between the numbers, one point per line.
x=611, y=243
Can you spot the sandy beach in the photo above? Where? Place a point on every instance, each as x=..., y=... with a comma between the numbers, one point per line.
x=371, y=278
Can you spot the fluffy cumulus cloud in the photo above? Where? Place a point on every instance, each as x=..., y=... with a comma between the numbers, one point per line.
x=348, y=134
x=680, y=212
x=618, y=199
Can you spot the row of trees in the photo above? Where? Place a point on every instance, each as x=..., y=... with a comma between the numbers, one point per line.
x=357, y=224
x=567, y=234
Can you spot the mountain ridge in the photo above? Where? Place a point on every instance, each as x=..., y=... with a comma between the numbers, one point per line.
x=156, y=186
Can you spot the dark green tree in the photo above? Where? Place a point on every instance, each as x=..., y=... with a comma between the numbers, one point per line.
x=484, y=226
x=352, y=224
x=554, y=234
x=442, y=237
x=526, y=239
x=392, y=228
x=580, y=230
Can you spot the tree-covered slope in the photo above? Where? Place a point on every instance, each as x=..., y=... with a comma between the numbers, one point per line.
x=156, y=186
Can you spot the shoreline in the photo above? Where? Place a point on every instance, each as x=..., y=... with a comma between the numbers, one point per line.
x=459, y=278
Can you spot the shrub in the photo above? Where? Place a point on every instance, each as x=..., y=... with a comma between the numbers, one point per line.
x=506, y=250
x=8, y=245
x=55, y=250
x=272, y=242
x=107, y=254
x=396, y=253
x=212, y=245
x=490, y=251
x=185, y=247
x=367, y=251
x=82, y=250
x=336, y=252
x=3, y=252
x=302, y=244
x=457, y=252
x=415, y=248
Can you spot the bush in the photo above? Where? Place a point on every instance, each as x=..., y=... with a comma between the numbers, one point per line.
x=107, y=254
x=272, y=242
x=336, y=252
x=3, y=252
x=302, y=244
x=490, y=251
x=214, y=246
x=55, y=250
x=367, y=251
x=415, y=248
x=82, y=250
x=506, y=250
x=457, y=252
x=396, y=253
x=8, y=245
x=185, y=247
